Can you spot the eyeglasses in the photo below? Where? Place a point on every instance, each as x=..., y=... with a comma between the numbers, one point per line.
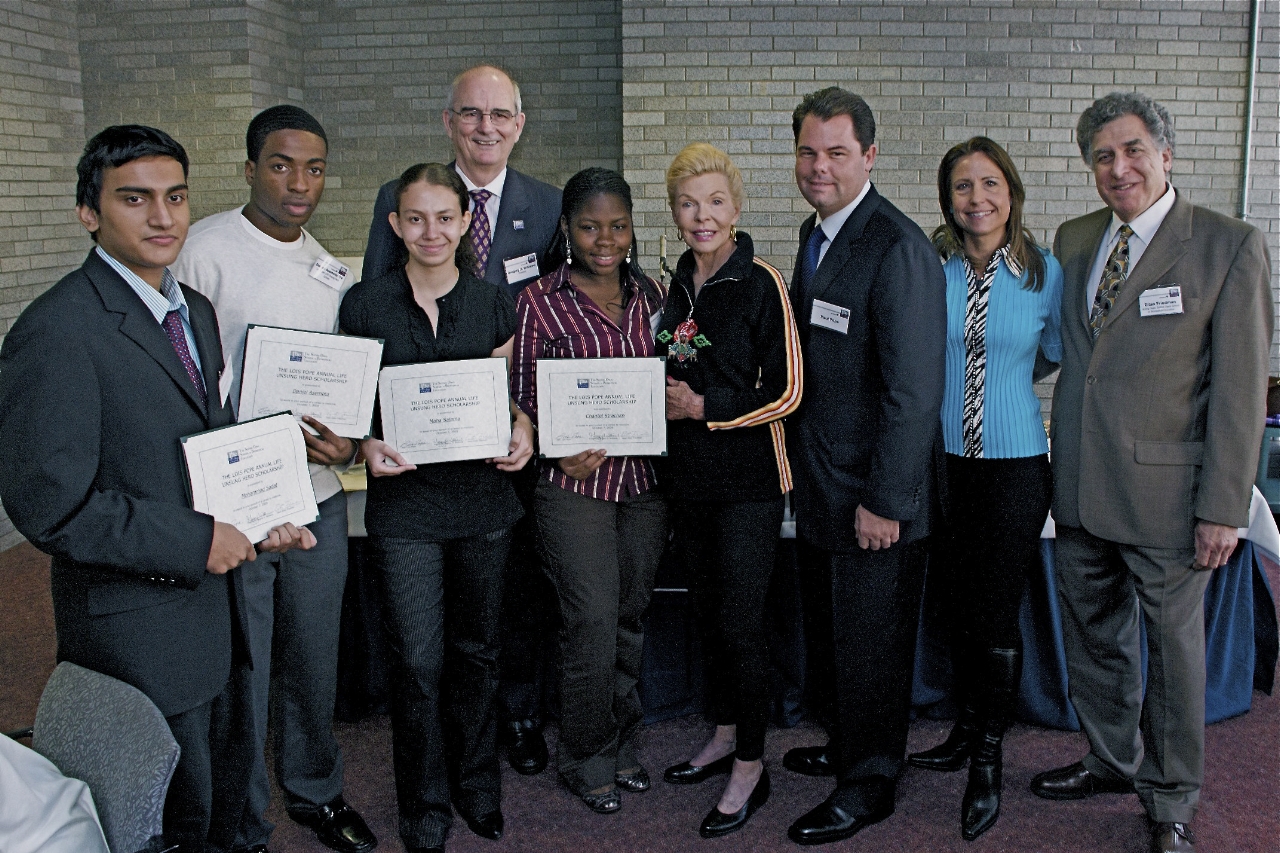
x=470, y=116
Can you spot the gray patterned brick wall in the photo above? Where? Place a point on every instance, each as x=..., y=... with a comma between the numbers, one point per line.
x=377, y=76
x=935, y=74
x=41, y=134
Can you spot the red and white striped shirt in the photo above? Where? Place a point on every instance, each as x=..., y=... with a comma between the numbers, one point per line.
x=556, y=322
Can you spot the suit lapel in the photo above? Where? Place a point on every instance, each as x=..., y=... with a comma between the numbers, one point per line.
x=513, y=205
x=139, y=325
x=1077, y=267
x=1167, y=247
x=841, y=248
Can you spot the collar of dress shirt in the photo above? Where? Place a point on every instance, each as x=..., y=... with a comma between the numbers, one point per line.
x=832, y=224
x=494, y=187
x=169, y=298
x=1146, y=223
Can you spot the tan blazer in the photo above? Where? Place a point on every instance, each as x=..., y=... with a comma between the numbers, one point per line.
x=1159, y=422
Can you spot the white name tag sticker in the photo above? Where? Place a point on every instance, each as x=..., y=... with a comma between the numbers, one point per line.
x=328, y=271
x=830, y=316
x=521, y=268
x=1160, y=300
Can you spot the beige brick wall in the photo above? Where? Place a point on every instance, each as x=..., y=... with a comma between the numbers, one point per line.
x=41, y=134
x=935, y=74
x=613, y=82
x=377, y=76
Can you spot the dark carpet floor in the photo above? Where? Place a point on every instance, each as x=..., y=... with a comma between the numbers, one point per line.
x=1240, y=808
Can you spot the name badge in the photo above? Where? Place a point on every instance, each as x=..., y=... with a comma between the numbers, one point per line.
x=521, y=268
x=327, y=270
x=1160, y=300
x=830, y=316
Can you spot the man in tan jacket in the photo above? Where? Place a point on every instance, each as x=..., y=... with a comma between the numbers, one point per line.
x=1157, y=422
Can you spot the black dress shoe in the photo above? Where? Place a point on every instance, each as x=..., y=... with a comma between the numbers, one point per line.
x=1076, y=783
x=1172, y=838
x=833, y=822
x=526, y=747
x=338, y=826
x=488, y=825
x=810, y=760
x=424, y=849
x=637, y=781
x=607, y=803
x=685, y=773
x=717, y=823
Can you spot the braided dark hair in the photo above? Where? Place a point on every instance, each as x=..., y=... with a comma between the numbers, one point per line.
x=580, y=189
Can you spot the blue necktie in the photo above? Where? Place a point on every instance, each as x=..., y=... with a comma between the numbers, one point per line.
x=812, y=252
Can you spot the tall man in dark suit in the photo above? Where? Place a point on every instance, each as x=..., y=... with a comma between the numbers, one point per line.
x=1157, y=422
x=99, y=379
x=869, y=295
x=513, y=218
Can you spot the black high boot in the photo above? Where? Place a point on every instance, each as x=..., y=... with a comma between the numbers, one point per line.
x=951, y=755
x=981, y=804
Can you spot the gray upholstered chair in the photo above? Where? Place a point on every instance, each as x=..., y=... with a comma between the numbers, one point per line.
x=112, y=737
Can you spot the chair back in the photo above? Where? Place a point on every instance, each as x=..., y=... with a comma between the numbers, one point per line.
x=112, y=737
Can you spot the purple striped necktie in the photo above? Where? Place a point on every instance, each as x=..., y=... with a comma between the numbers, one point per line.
x=173, y=328
x=481, y=234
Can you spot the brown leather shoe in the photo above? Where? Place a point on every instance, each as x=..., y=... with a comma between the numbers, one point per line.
x=1076, y=783
x=1172, y=838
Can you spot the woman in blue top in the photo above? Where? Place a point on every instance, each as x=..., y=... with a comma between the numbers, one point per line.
x=1004, y=297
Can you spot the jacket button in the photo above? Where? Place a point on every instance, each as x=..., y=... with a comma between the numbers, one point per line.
x=1088, y=380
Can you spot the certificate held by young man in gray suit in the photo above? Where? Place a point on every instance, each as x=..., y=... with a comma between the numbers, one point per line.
x=1157, y=422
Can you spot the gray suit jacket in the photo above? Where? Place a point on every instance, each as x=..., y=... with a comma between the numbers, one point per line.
x=93, y=402
x=1159, y=422
x=527, y=219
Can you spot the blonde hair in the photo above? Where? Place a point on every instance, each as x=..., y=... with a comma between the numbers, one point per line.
x=701, y=158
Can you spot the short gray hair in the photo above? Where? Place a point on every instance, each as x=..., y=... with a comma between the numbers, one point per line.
x=1116, y=105
x=453, y=85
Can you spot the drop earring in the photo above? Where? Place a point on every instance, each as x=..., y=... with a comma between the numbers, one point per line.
x=628, y=255
x=568, y=252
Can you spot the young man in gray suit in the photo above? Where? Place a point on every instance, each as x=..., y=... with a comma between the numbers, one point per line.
x=1157, y=422
x=100, y=377
x=514, y=218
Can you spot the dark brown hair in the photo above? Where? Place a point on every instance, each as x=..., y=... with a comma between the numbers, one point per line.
x=947, y=237
x=439, y=175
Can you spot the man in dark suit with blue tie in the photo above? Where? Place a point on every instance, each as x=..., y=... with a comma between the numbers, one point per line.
x=869, y=296
x=100, y=377
x=513, y=220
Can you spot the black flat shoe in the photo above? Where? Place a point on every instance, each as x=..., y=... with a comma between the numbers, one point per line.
x=606, y=803
x=685, y=773
x=717, y=823
x=488, y=825
x=636, y=782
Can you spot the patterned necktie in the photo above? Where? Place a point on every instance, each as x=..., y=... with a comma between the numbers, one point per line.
x=173, y=328
x=480, y=235
x=975, y=353
x=1113, y=276
x=812, y=254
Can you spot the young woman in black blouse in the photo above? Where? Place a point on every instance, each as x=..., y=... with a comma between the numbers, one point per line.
x=439, y=533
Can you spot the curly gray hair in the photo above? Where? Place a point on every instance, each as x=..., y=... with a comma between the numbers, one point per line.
x=1118, y=104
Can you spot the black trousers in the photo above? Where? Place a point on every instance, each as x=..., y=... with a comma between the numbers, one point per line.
x=442, y=603
x=727, y=550
x=990, y=545
x=210, y=785
x=861, y=613
x=530, y=620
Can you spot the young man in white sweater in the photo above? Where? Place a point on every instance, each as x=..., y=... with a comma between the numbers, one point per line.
x=258, y=265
